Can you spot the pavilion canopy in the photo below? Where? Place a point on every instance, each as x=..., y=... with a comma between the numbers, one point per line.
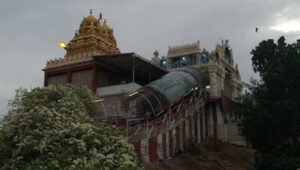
x=141, y=70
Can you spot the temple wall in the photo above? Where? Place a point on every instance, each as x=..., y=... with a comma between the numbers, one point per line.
x=82, y=78
x=106, y=78
x=198, y=126
x=210, y=122
x=57, y=79
x=181, y=137
x=166, y=144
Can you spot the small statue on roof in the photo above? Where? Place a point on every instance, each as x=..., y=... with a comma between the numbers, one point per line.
x=155, y=59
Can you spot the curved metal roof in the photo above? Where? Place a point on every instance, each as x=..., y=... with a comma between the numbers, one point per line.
x=177, y=83
x=194, y=72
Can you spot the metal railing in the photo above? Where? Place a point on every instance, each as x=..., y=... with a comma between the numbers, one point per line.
x=186, y=107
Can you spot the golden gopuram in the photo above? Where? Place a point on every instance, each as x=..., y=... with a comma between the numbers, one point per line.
x=94, y=37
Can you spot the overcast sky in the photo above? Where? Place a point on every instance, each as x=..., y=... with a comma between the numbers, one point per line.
x=31, y=30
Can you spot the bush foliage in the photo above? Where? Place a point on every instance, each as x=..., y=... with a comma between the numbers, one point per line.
x=49, y=128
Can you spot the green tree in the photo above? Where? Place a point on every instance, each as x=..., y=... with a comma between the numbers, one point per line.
x=48, y=128
x=271, y=119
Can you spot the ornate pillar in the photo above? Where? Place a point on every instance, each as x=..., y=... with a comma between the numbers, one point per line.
x=213, y=84
x=234, y=90
x=69, y=77
x=222, y=79
x=46, y=80
x=216, y=77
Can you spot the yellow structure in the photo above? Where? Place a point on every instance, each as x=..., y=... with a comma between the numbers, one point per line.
x=92, y=38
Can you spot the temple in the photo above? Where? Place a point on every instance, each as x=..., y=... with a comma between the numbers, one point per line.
x=222, y=76
x=93, y=59
x=185, y=96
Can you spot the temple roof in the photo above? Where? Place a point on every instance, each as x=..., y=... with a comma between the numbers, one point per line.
x=225, y=51
x=184, y=49
x=124, y=63
x=88, y=20
x=92, y=38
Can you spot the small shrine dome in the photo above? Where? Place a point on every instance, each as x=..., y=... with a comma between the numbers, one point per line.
x=105, y=26
x=90, y=21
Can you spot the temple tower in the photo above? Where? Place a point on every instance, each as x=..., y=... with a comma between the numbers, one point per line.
x=222, y=76
x=78, y=67
x=94, y=37
x=93, y=59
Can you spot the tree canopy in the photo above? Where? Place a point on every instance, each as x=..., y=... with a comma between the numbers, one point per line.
x=49, y=128
x=271, y=119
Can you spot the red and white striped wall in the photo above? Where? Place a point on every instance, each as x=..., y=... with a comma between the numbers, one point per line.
x=194, y=125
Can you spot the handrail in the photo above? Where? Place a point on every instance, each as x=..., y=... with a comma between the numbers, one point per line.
x=161, y=122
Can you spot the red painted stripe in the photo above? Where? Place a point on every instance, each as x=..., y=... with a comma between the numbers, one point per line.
x=205, y=118
x=196, y=126
x=177, y=139
x=152, y=143
x=69, y=77
x=46, y=79
x=214, y=114
x=94, y=78
x=190, y=128
x=201, y=125
x=137, y=149
x=183, y=134
x=171, y=144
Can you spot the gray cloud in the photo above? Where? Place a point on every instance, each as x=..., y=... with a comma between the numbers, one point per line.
x=31, y=30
